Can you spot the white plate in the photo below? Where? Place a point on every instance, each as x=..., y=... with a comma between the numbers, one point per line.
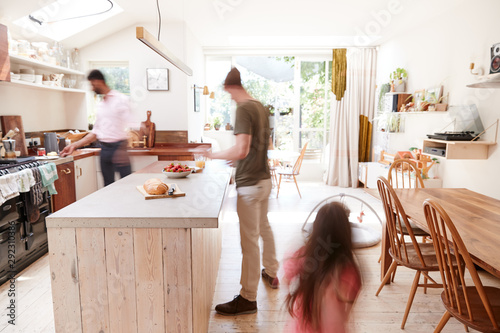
x=177, y=174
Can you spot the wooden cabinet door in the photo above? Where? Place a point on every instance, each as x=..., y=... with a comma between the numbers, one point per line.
x=65, y=186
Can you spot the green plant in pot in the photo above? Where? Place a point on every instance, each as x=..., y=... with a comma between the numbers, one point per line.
x=217, y=121
x=398, y=79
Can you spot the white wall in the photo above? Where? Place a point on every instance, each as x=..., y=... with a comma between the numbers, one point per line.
x=439, y=52
x=171, y=110
x=43, y=109
x=196, y=60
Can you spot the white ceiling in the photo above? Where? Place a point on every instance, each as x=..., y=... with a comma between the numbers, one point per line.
x=263, y=23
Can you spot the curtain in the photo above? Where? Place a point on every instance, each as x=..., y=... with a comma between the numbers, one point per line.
x=339, y=65
x=365, y=138
x=359, y=99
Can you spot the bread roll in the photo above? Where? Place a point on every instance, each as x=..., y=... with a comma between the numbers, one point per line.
x=155, y=186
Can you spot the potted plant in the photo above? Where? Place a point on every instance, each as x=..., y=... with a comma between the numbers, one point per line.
x=398, y=78
x=217, y=121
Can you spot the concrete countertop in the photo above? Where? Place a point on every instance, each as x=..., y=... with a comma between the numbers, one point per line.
x=121, y=205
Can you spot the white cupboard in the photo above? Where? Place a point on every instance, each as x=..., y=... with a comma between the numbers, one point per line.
x=85, y=176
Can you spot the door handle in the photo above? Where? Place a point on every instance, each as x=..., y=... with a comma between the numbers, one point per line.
x=67, y=171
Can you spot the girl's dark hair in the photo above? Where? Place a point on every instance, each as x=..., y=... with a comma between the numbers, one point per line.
x=96, y=75
x=327, y=251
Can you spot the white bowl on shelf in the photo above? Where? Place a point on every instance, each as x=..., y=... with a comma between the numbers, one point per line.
x=15, y=76
x=177, y=174
x=49, y=83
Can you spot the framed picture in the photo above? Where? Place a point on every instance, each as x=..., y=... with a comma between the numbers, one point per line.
x=157, y=78
x=418, y=95
x=197, y=97
x=434, y=95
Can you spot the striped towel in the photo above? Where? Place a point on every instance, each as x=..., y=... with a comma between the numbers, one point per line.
x=49, y=176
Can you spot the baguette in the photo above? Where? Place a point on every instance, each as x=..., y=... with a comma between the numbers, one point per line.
x=155, y=186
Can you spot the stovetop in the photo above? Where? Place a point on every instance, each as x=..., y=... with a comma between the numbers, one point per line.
x=17, y=160
x=14, y=165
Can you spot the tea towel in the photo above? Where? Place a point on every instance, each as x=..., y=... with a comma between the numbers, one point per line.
x=49, y=176
x=9, y=186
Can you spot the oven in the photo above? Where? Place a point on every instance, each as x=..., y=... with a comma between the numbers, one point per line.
x=21, y=242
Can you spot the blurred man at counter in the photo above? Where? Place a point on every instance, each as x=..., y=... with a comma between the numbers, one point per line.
x=253, y=184
x=113, y=118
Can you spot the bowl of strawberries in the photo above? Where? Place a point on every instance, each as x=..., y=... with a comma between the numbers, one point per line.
x=177, y=170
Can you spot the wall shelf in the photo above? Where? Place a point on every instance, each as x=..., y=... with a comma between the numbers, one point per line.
x=466, y=150
x=14, y=59
x=40, y=86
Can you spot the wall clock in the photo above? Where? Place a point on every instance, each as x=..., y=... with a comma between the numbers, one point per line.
x=157, y=78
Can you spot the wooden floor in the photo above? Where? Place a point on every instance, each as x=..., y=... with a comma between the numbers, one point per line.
x=287, y=214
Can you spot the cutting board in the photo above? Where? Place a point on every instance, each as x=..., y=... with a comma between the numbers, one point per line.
x=177, y=193
x=10, y=123
x=148, y=128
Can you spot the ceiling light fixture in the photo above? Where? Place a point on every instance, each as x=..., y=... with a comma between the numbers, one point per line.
x=144, y=36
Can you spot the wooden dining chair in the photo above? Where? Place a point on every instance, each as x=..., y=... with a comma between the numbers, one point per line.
x=290, y=174
x=274, y=165
x=404, y=173
x=413, y=255
x=475, y=306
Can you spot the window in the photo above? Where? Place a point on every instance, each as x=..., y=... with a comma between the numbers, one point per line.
x=295, y=90
x=61, y=19
x=117, y=75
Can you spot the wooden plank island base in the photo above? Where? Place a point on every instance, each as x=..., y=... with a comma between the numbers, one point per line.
x=120, y=263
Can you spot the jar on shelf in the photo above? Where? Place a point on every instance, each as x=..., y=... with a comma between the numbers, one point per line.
x=24, y=48
x=75, y=58
x=42, y=51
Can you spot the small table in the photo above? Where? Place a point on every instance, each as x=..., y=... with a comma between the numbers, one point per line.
x=476, y=217
x=282, y=155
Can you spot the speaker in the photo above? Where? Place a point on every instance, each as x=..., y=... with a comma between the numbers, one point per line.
x=495, y=59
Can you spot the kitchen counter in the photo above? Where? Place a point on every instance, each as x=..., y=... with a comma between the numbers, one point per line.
x=120, y=263
x=122, y=205
x=164, y=152
x=56, y=161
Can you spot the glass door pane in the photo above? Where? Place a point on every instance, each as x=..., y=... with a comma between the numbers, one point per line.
x=315, y=94
x=271, y=81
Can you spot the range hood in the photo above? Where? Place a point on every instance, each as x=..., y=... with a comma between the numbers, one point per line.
x=487, y=81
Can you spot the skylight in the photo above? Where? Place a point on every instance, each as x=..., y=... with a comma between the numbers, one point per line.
x=64, y=18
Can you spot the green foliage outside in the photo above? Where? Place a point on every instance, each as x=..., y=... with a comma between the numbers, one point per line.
x=117, y=78
x=280, y=97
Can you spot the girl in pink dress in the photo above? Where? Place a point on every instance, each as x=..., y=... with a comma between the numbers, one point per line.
x=324, y=275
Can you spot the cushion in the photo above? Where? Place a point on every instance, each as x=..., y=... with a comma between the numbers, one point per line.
x=364, y=236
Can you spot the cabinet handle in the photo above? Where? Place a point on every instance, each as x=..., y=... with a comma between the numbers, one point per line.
x=67, y=171
x=80, y=172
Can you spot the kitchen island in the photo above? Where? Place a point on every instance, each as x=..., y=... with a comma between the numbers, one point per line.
x=120, y=263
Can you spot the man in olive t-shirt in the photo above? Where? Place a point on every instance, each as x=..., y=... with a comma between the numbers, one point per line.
x=253, y=184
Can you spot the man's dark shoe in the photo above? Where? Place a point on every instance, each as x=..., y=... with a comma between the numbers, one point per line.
x=271, y=282
x=237, y=306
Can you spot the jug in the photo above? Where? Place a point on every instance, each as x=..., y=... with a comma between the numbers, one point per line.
x=9, y=146
x=51, y=142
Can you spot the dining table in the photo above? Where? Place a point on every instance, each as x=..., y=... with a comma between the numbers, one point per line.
x=475, y=215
